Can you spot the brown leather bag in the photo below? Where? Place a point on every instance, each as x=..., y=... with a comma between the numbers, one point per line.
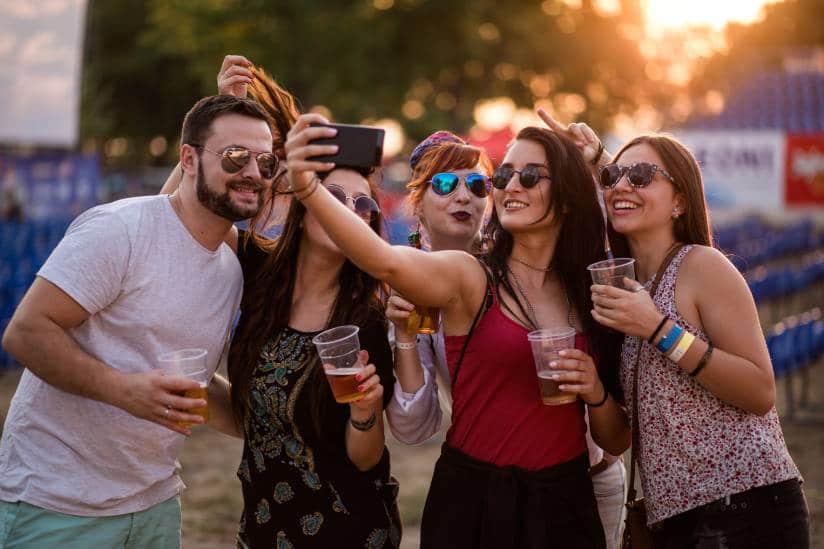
x=637, y=535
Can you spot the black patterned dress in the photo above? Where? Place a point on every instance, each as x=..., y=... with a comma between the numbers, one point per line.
x=299, y=489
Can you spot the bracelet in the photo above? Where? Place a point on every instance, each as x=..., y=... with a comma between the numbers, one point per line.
x=702, y=363
x=307, y=195
x=666, y=343
x=406, y=346
x=364, y=425
x=599, y=154
x=601, y=403
x=657, y=329
x=682, y=347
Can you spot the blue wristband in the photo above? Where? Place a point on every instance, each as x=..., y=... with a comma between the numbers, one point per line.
x=666, y=343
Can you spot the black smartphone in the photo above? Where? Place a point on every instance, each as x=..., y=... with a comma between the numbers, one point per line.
x=358, y=146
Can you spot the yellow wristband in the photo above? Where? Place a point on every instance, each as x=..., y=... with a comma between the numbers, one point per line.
x=682, y=347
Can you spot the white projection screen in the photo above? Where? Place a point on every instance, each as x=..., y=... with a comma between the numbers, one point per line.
x=41, y=51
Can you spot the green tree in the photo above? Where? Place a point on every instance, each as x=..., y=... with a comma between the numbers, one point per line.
x=148, y=61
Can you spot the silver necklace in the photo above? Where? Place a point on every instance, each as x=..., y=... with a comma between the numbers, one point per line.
x=570, y=312
x=533, y=318
x=525, y=264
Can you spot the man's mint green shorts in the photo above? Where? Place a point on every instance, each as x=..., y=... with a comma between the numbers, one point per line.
x=26, y=526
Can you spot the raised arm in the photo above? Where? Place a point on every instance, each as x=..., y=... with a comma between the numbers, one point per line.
x=38, y=337
x=583, y=136
x=447, y=279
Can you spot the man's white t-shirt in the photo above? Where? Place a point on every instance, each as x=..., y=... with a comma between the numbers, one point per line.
x=150, y=288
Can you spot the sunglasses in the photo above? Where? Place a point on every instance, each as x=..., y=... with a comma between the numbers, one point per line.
x=445, y=183
x=235, y=158
x=364, y=205
x=529, y=176
x=639, y=175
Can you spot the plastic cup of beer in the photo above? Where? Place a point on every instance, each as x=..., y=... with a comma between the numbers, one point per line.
x=546, y=344
x=190, y=363
x=423, y=320
x=338, y=351
x=611, y=272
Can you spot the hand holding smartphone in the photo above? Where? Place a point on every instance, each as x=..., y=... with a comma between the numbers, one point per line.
x=358, y=146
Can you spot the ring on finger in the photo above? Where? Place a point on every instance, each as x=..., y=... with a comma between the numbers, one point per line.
x=166, y=412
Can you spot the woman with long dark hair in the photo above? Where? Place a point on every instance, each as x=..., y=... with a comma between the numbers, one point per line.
x=714, y=466
x=314, y=473
x=513, y=471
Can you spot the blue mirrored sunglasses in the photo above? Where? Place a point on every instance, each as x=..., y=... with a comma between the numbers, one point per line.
x=445, y=183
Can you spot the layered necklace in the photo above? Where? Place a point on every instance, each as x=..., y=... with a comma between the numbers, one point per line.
x=531, y=310
x=531, y=317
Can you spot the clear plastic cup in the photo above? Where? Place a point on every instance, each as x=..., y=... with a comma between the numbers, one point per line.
x=190, y=363
x=611, y=272
x=546, y=344
x=338, y=351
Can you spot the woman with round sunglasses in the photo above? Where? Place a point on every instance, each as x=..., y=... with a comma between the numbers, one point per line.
x=314, y=473
x=422, y=391
x=513, y=471
x=449, y=195
x=715, y=469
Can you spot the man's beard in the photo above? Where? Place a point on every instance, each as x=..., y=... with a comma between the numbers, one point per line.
x=221, y=204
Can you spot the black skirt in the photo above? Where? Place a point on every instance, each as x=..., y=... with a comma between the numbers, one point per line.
x=474, y=504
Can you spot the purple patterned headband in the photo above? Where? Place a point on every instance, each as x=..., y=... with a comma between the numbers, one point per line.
x=436, y=138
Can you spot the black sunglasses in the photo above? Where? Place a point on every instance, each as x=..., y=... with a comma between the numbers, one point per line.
x=235, y=158
x=445, y=183
x=529, y=176
x=639, y=175
x=365, y=206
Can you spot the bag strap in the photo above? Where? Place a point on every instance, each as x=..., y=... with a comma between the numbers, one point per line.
x=486, y=303
x=636, y=435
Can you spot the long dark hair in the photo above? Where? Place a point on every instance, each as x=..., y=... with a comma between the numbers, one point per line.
x=267, y=304
x=693, y=225
x=573, y=202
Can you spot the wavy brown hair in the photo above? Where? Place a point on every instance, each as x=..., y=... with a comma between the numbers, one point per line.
x=267, y=304
x=281, y=105
x=573, y=202
x=693, y=225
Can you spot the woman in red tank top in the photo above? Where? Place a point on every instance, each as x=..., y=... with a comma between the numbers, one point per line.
x=514, y=472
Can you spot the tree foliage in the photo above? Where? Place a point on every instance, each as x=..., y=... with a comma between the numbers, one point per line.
x=147, y=61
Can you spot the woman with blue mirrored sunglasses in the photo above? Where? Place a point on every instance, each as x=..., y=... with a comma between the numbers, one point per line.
x=445, y=183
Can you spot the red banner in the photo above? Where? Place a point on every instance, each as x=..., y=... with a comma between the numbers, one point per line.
x=804, y=170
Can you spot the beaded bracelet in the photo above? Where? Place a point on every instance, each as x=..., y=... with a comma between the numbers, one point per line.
x=702, y=363
x=666, y=343
x=406, y=346
x=682, y=347
x=364, y=425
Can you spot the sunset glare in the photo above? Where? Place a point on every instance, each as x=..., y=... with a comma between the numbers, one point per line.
x=662, y=15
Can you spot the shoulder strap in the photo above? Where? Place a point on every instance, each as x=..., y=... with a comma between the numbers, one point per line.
x=486, y=303
x=636, y=436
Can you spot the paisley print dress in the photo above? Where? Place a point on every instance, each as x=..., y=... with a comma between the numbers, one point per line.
x=299, y=488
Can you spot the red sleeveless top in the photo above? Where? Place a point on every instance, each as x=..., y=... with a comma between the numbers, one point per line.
x=497, y=413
